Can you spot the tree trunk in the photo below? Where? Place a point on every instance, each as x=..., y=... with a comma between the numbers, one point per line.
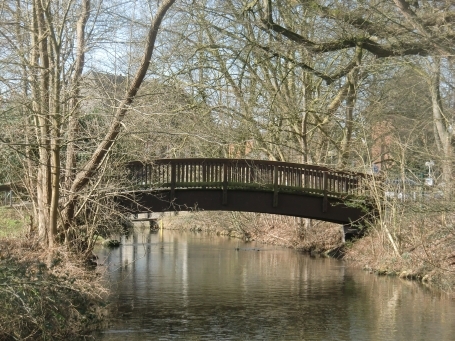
x=442, y=124
x=43, y=130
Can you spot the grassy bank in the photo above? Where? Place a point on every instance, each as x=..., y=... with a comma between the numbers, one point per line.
x=45, y=295
x=11, y=222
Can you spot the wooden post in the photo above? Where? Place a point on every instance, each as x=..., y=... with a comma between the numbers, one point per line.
x=325, y=200
x=173, y=175
x=147, y=173
x=204, y=174
x=275, y=186
x=225, y=183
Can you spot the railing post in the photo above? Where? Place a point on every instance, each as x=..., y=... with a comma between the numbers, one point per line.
x=275, y=186
x=147, y=173
x=225, y=182
x=325, y=200
x=143, y=174
x=204, y=174
x=173, y=176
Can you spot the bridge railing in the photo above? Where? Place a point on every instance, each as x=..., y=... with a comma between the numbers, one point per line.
x=246, y=174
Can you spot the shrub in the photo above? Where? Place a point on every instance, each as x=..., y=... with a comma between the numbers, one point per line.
x=47, y=302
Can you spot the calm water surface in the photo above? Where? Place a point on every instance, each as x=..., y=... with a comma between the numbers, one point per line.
x=184, y=286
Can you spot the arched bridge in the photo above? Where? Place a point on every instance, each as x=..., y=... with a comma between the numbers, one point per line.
x=245, y=185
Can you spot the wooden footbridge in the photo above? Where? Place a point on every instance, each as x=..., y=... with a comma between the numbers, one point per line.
x=246, y=185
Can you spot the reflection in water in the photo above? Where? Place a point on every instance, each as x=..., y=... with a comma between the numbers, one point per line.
x=183, y=286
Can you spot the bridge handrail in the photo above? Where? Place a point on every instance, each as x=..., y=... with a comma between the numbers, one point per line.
x=247, y=161
x=247, y=174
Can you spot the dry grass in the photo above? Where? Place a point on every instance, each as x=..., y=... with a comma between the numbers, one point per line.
x=46, y=295
x=425, y=242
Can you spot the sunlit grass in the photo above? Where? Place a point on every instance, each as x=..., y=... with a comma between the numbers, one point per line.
x=11, y=222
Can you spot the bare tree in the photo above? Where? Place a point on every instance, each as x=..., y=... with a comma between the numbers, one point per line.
x=53, y=58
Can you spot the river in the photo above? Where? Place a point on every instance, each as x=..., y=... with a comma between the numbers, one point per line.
x=174, y=285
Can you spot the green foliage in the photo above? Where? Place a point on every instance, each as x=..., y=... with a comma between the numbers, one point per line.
x=11, y=224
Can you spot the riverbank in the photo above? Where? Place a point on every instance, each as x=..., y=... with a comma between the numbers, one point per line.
x=45, y=295
x=418, y=246
x=313, y=237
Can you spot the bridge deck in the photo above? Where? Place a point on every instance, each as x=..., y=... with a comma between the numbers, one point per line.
x=245, y=185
